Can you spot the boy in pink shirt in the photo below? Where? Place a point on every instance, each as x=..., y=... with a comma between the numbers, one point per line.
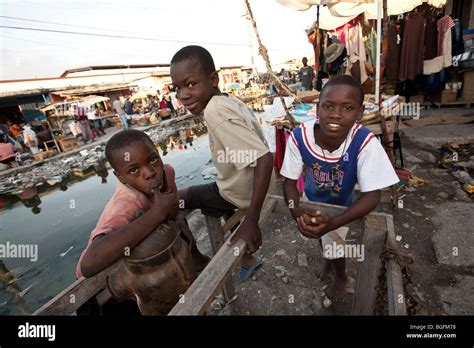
x=146, y=196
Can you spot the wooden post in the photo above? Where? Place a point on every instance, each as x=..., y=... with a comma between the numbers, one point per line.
x=264, y=53
x=316, y=60
x=395, y=292
x=375, y=230
x=216, y=235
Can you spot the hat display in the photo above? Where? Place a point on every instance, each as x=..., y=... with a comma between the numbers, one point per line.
x=333, y=52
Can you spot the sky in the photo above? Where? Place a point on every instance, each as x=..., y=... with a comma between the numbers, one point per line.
x=218, y=25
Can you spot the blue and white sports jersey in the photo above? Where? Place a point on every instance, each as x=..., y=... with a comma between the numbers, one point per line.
x=330, y=177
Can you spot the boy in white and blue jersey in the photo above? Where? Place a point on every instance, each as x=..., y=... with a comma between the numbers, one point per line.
x=335, y=154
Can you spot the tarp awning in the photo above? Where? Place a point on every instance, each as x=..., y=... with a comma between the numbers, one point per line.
x=337, y=13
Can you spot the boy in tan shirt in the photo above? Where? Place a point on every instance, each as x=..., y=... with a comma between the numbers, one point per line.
x=239, y=151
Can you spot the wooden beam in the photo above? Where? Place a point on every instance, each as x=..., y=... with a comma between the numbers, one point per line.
x=74, y=296
x=282, y=207
x=234, y=219
x=201, y=292
x=216, y=235
x=375, y=230
x=395, y=292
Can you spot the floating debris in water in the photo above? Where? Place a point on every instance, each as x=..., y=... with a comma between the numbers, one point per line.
x=68, y=250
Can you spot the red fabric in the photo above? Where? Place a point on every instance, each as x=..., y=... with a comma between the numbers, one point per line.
x=444, y=24
x=280, y=142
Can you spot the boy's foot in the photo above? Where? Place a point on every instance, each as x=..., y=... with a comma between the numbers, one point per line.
x=326, y=270
x=337, y=289
x=247, y=266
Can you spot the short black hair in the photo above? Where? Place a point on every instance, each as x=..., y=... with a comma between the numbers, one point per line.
x=344, y=80
x=123, y=139
x=197, y=53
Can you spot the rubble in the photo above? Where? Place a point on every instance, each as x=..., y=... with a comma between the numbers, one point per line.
x=462, y=176
x=302, y=260
x=56, y=170
x=53, y=172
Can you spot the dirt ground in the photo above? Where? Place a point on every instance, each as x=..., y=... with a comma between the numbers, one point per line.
x=435, y=226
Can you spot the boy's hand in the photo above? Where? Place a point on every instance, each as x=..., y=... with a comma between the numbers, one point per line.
x=297, y=212
x=315, y=225
x=250, y=232
x=166, y=203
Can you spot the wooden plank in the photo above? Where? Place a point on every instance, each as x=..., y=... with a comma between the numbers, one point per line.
x=74, y=296
x=282, y=207
x=82, y=289
x=375, y=230
x=201, y=292
x=216, y=235
x=234, y=219
x=395, y=292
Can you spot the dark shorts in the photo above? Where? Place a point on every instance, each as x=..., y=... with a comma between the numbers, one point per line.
x=207, y=198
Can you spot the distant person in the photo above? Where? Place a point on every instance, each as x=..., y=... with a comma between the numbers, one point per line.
x=306, y=75
x=117, y=106
x=15, y=131
x=81, y=117
x=241, y=183
x=169, y=104
x=128, y=106
x=95, y=122
x=44, y=135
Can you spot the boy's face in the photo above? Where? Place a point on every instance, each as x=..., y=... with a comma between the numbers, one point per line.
x=139, y=165
x=338, y=109
x=193, y=86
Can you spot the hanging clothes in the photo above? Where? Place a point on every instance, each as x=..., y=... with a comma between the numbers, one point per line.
x=392, y=60
x=431, y=39
x=373, y=45
x=445, y=59
x=457, y=42
x=412, y=50
x=444, y=26
x=281, y=137
x=355, y=41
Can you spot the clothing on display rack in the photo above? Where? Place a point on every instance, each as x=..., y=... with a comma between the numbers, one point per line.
x=412, y=50
x=457, y=42
x=392, y=60
x=431, y=39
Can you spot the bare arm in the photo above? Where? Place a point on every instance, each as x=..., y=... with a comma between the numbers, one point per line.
x=261, y=180
x=107, y=249
x=292, y=197
x=249, y=230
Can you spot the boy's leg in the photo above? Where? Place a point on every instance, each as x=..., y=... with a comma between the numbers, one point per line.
x=199, y=259
x=208, y=199
x=338, y=288
x=334, y=260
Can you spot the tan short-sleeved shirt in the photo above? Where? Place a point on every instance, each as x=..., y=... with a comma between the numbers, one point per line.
x=236, y=142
